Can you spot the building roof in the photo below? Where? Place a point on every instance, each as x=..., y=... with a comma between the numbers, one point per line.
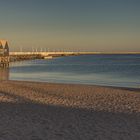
x=3, y=43
x=4, y=49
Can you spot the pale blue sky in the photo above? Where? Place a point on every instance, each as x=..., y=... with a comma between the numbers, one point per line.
x=95, y=25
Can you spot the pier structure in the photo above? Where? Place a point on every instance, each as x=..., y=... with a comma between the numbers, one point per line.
x=19, y=56
x=6, y=57
x=4, y=54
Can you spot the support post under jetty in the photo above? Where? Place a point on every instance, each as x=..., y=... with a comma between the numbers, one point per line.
x=4, y=62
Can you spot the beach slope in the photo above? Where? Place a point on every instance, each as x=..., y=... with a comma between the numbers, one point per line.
x=45, y=111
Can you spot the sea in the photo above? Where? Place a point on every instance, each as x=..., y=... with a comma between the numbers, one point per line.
x=105, y=70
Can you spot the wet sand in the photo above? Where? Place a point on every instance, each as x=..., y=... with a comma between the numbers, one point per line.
x=44, y=111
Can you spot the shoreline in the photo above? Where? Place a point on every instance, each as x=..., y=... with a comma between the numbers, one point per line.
x=82, y=84
x=38, y=110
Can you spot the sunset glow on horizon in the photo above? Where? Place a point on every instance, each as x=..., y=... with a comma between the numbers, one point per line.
x=86, y=25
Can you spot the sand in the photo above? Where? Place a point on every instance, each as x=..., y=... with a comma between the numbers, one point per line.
x=44, y=111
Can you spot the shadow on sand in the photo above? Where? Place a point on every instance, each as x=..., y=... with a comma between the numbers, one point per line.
x=28, y=120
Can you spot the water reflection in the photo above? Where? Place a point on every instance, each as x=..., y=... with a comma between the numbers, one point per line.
x=4, y=74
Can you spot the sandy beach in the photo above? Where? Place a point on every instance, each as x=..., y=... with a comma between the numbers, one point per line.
x=45, y=111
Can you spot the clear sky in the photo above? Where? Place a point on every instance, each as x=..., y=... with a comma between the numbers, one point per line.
x=92, y=25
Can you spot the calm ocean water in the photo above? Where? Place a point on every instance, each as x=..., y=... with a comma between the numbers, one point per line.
x=110, y=70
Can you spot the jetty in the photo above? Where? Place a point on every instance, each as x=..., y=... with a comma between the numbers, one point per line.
x=17, y=56
x=20, y=56
x=6, y=57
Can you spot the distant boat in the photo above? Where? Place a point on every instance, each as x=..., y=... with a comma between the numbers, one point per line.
x=48, y=57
